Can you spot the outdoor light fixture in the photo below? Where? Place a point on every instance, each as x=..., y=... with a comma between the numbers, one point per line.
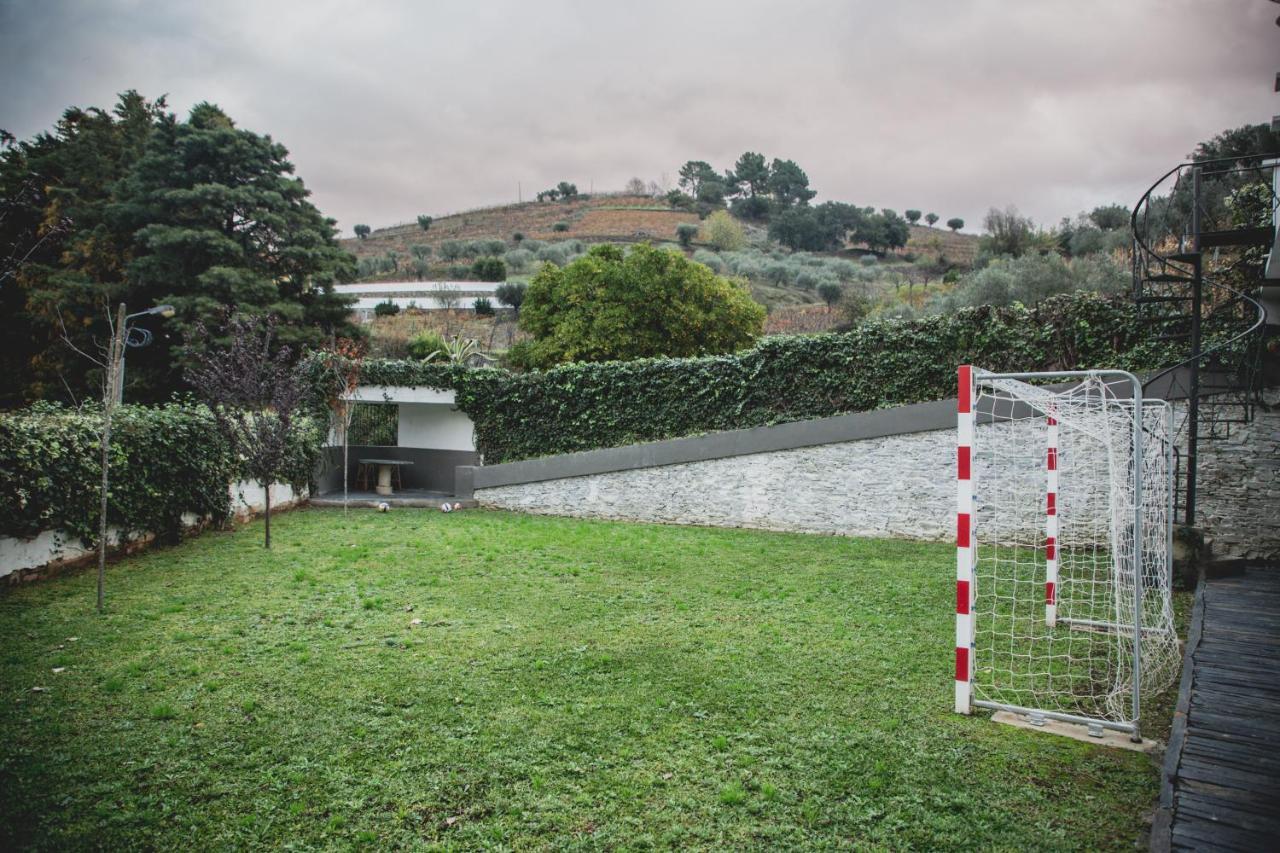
x=136, y=337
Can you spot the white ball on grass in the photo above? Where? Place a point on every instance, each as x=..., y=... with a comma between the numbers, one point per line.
x=383, y=506
x=446, y=507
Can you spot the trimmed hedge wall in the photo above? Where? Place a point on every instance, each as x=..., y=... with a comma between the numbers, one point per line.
x=165, y=461
x=880, y=363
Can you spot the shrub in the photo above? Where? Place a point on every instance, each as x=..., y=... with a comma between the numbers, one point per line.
x=723, y=232
x=420, y=250
x=955, y=224
x=452, y=250
x=165, y=461
x=778, y=272
x=424, y=222
x=518, y=259
x=685, y=232
x=458, y=272
x=489, y=269
x=362, y=231
x=610, y=305
x=493, y=248
x=854, y=307
x=484, y=308
x=386, y=309
x=709, y=259
x=519, y=356
x=531, y=245
x=517, y=237
x=554, y=254
x=427, y=346
x=560, y=226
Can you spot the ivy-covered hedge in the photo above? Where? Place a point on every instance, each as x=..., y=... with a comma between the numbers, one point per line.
x=165, y=461
x=880, y=363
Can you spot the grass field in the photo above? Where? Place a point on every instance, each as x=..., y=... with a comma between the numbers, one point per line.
x=485, y=679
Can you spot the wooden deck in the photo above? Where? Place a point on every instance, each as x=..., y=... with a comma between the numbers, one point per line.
x=1221, y=786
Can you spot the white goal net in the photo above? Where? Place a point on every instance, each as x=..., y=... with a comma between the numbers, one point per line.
x=1064, y=540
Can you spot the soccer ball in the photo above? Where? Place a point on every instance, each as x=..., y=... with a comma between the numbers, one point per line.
x=383, y=506
x=446, y=507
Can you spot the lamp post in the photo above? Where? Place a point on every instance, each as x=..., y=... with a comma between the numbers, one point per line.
x=112, y=396
x=137, y=338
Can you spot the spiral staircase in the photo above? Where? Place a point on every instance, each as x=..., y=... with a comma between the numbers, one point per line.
x=1204, y=248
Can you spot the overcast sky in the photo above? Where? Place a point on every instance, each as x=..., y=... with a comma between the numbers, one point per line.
x=391, y=109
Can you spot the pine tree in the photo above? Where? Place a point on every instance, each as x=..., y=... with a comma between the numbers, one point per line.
x=222, y=225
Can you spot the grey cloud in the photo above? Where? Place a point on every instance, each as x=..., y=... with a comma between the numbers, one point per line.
x=395, y=108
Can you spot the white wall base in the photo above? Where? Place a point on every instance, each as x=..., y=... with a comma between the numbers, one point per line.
x=55, y=547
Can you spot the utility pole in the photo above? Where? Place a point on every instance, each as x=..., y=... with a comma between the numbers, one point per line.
x=519, y=193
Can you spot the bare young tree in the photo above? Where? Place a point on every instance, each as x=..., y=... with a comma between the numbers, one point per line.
x=255, y=395
x=343, y=362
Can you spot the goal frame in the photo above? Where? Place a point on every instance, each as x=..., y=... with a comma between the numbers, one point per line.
x=966, y=543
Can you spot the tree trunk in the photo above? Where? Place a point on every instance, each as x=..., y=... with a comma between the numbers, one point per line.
x=266, y=515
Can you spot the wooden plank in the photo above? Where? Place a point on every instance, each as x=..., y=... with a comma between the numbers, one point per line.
x=1192, y=805
x=1203, y=835
x=1221, y=778
x=1228, y=783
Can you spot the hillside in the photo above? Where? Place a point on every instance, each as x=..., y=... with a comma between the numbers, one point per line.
x=777, y=277
x=601, y=218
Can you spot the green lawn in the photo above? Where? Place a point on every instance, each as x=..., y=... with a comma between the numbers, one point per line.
x=569, y=684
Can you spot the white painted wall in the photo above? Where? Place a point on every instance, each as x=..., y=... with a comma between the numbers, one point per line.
x=51, y=546
x=435, y=426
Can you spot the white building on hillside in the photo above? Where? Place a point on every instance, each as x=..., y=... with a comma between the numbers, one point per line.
x=426, y=295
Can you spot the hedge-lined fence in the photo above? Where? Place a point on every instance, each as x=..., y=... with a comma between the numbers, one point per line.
x=165, y=461
x=880, y=363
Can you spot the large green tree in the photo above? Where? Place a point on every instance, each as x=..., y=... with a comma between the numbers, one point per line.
x=610, y=306
x=789, y=184
x=61, y=262
x=137, y=206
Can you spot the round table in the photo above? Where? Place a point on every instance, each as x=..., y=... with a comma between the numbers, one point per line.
x=384, y=472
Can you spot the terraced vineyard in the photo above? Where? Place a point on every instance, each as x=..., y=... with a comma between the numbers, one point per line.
x=613, y=218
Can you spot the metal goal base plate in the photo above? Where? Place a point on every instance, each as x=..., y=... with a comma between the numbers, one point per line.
x=1118, y=740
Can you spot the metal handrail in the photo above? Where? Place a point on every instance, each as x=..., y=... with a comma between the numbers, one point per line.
x=1144, y=252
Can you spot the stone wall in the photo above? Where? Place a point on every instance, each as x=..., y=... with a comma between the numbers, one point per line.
x=901, y=486
x=1239, y=490
x=890, y=486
